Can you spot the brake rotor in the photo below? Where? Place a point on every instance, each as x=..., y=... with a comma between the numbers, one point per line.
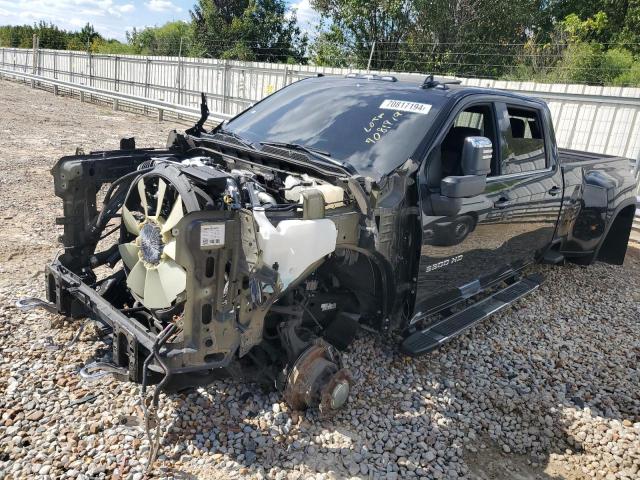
x=316, y=379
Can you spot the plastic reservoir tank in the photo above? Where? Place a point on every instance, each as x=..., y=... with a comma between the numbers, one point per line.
x=294, y=244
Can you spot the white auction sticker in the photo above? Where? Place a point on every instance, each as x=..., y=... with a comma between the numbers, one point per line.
x=402, y=106
x=211, y=235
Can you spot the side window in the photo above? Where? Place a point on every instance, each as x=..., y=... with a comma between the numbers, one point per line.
x=475, y=121
x=524, y=142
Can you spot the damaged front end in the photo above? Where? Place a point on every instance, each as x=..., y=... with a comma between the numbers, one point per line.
x=209, y=259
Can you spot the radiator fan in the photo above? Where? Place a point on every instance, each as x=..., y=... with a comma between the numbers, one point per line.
x=149, y=214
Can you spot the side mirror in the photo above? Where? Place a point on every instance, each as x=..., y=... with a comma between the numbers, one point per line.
x=463, y=187
x=476, y=165
x=476, y=156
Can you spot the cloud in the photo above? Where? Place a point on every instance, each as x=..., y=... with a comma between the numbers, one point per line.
x=308, y=18
x=162, y=6
x=127, y=8
x=107, y=16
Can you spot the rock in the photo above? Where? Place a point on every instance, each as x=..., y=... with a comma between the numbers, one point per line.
x=35, y=416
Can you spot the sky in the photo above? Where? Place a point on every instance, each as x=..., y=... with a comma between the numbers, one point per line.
x=112, y=18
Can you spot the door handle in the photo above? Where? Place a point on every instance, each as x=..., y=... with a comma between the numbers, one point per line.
x=555, y=190
x=503, y=203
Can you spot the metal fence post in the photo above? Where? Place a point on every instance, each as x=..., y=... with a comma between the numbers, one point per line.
x=55, y=71
x=33, y=59
x=242, y=83
x=179, y=75
x=89, y=59
x=116, y=79
x=373, y=47
x=225, y=86
x=146, y=83
x=39, y=59
x=2, y=62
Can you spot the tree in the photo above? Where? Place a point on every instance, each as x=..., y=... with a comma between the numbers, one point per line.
x=361, y=22
x=171, y=39
x=471, y=37
x=330, y=48
x=21, y=36
x=247, y=29
x=623, y=18
x=88, y=34
x=51, y=36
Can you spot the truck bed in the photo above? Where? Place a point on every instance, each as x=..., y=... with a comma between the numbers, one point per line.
x=568, y=156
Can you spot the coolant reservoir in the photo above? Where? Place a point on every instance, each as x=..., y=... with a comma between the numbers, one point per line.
x=333, y=195
x=294, y=244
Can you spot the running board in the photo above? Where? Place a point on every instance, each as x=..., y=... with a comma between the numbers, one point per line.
x=427, y=340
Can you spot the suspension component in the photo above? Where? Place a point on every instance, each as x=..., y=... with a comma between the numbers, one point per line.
x=317, y=379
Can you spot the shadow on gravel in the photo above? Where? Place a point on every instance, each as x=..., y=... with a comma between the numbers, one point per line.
x=546, y=389
x=557, y=372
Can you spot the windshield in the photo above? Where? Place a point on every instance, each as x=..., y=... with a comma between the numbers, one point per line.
x=374, y=126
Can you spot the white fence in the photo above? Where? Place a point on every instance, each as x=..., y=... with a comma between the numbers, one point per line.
x=591, y=118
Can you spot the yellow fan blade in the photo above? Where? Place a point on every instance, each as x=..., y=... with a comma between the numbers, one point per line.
x=136, y=279
x=174, y=217
x=154, y=294
x=129, y=253
x=130, y=222
x=173, y=278
x=143, y=197
x=170, y=249
x=162, y=187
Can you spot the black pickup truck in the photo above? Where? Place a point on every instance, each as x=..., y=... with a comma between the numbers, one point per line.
x=260, y=248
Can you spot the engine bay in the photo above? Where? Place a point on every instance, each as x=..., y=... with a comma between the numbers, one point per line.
x=202, y=263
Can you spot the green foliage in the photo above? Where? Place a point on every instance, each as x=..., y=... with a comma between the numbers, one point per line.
x=330, y=48
x=629, y=77
x=247, y=30
x=574, y=41
x=101, y=45
x=171, y=39
x=21, y=36
x=592, y=29
x=50, y=36
x=363, y=22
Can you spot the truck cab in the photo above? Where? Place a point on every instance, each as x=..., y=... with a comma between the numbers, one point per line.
x=483, y=237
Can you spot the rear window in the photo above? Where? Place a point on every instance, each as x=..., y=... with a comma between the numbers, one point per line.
x=524, y=140
x=373, y=125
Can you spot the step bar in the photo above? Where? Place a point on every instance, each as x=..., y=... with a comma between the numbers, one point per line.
x=427, y=340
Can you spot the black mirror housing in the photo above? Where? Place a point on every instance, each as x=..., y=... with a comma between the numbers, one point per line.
x=463, y=187
x=476, y=165
x=476, y=156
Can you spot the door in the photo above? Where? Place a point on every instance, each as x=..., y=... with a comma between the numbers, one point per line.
x=467, y=249
x=530, y=181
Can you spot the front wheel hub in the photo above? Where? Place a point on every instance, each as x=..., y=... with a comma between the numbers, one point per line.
x=317, y=380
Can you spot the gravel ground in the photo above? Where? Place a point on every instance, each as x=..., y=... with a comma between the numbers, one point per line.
x=547, y=389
